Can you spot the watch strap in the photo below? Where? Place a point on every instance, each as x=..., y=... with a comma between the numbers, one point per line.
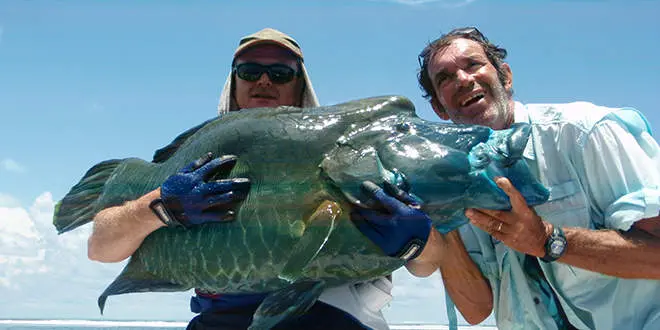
x=411, y=250
x=158, y=207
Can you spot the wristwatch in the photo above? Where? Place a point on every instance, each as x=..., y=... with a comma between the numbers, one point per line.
x=555, y=245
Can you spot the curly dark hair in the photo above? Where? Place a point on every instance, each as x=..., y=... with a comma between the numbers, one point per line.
x=494, y=53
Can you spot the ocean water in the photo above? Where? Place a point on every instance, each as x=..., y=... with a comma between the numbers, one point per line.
x=148, y=325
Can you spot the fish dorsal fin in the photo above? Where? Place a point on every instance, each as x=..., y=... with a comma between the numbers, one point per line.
x=166, y=152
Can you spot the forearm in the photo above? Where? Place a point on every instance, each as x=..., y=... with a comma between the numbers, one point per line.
x=464, y=282
x=119, y=231
x=632, y=254
x=429, y=260
x=462, y=278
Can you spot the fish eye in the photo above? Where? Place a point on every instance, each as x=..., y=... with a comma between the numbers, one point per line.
x=403, y=127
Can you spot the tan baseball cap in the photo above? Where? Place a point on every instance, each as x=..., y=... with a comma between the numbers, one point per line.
x=269, y=36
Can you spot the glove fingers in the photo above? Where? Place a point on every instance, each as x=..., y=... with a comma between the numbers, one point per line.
x=213, y=216
x=239, y=185
x=221, y=215
x=377, y=221
x=224, y=201
x=218, y=168
x=401, y=195
x=390, y=203
x=198, y=163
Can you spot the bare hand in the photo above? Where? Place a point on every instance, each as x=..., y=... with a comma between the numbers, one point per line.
x=520, y=229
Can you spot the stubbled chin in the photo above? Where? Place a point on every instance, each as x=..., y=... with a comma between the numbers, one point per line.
x=476, y=114
x=475, y=109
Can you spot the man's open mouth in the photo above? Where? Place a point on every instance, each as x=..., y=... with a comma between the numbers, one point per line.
x=473, y=99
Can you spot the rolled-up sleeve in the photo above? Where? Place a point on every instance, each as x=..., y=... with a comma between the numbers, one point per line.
x=621, y=161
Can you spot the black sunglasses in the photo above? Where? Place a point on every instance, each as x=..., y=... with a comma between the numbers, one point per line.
x=471, y=32
x=277, y=73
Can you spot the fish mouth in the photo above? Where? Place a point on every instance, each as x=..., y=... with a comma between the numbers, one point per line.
x=472, y=99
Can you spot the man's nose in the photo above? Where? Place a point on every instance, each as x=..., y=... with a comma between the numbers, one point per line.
x=264, y=79
x=463, y=78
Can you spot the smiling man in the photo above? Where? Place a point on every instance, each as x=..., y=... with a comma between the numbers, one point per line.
x=589, y=258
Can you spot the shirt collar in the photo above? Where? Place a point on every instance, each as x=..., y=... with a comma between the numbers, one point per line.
x=521, y=115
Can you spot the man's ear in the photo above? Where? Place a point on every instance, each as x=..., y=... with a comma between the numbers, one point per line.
x=233, y=104
x=438, y=109
x=508, y=77
x=302, y=87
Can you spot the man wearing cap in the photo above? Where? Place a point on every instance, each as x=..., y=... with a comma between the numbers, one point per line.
x=267, y=71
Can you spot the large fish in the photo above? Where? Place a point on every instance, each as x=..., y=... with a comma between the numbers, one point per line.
x=292, y=235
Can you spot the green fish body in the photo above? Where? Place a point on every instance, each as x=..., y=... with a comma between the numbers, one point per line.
x=292, y=236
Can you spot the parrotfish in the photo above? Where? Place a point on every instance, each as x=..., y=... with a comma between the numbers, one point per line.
x=292, y=236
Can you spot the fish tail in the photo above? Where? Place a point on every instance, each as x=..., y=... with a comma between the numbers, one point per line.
x=108, y=183
x=79, y=205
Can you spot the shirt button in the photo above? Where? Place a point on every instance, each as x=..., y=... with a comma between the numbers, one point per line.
x=536, y=300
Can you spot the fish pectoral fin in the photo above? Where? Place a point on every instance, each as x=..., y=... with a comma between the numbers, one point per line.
x=319, y=227
x=286, y=303
x=135, y=279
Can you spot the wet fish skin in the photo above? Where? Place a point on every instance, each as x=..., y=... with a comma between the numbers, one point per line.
x=297, y=160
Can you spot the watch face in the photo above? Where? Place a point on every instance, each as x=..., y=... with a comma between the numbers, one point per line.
x=557, y=247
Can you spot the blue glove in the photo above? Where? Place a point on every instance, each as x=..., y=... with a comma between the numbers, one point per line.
x=192, y=196
x=397, y=226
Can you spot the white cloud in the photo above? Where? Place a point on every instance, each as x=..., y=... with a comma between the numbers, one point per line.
x=8, y=201
x=16, y=224
x=35, y=259
x=11, y=165
x=21, y=254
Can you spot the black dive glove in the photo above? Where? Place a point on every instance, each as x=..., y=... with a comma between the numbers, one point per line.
x=398, y=227
x=188, y=198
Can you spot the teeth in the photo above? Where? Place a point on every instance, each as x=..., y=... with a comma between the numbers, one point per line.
x=472, y=98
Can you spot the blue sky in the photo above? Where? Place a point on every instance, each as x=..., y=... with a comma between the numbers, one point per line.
x=84, y=81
